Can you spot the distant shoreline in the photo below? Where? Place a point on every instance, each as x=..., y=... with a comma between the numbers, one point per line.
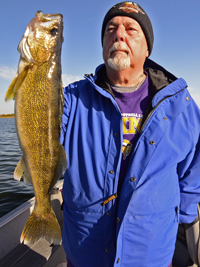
x=7, y=115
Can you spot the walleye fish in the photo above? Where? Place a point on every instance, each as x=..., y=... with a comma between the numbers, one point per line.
x=38, y=93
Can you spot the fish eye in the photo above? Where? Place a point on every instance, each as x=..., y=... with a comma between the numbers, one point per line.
x=54, y=31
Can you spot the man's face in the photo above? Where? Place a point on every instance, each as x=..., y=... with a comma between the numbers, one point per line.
x=124, y=44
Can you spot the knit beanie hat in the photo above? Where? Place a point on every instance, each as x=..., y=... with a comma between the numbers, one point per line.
x=134, y=11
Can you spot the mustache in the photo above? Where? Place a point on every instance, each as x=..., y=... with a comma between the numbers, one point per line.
x=119, y=46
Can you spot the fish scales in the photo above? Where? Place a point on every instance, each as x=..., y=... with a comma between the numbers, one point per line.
x=38, y=129
x=37, y=90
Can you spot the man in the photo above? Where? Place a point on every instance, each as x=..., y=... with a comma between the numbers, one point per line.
x=131, y=134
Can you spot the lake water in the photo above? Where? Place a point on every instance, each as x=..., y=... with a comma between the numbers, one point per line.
x=12, y=193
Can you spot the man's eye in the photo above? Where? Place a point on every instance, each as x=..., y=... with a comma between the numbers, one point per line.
x=109, y=29
x=131, y=29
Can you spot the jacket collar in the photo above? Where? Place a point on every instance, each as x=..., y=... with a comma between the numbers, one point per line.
x=163, y=83
x=159, y=77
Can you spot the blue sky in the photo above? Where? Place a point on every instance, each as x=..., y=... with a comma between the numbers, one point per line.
x=176, y=26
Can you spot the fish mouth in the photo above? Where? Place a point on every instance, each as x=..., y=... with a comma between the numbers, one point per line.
x=49, y=21
x=40, y=17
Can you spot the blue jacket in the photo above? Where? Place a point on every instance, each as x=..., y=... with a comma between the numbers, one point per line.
x=161, y=186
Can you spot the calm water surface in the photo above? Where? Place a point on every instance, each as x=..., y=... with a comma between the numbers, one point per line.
x=12, y=193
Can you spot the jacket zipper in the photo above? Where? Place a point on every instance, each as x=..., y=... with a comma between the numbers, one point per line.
x=117, y=107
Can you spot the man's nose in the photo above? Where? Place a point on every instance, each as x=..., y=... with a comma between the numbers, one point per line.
x=119, y=35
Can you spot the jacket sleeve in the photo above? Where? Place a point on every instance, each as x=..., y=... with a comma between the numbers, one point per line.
x=66, y=112
x=189, y=175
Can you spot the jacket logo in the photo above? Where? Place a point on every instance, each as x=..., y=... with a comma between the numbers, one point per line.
x=130, y=7
x=126, y=148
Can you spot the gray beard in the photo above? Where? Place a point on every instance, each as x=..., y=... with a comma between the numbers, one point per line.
x=119, y=62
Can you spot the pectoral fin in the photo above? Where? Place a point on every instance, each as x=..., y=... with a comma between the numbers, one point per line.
x=20, y=169
x=16, y=83
x=21, y=78
x=10, y=92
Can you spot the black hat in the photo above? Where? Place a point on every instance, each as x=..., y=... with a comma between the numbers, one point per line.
x=132, y=10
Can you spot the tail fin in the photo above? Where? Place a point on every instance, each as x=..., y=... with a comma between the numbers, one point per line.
x=41, y=225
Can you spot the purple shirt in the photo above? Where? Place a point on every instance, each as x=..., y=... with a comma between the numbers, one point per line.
x=132, y=106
